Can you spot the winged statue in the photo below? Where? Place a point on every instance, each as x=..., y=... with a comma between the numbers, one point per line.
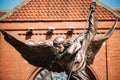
x=60, y=53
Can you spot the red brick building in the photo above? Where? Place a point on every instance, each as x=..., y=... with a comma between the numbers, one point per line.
x=60, y=14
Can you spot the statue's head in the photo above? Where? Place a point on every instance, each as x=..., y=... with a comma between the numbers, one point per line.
x=58, y=43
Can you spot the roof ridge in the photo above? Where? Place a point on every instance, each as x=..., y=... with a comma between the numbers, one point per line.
x=4, y=10
x=108, y=8
x=116, y=8
x=9, y=12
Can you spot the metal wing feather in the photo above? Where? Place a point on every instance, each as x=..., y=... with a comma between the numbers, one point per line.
x=40, y=55
x=96, y=44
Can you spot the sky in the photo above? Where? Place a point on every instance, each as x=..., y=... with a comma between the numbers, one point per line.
x=111, y=3
x=10, y=4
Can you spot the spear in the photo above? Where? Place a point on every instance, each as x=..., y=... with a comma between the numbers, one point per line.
x=91, y=11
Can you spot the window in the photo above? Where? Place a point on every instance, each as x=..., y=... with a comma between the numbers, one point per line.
x=47, y=75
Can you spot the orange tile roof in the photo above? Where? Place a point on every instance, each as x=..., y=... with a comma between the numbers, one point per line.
x=118, y=11
x=2, y=13
x=44, y=10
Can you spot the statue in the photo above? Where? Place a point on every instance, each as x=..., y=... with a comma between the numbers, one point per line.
x=73, y=57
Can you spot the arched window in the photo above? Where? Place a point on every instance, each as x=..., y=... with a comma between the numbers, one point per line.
x=43, y=74
x=48, y=75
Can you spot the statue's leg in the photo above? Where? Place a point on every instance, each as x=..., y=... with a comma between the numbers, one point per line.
x=74, y=78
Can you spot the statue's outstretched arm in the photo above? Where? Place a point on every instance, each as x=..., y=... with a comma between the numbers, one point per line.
x=85, y=37
x=92, y=23
x=92, y=27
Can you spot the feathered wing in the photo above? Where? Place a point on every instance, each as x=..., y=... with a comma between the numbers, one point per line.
x=97, y=43
x=40, y=55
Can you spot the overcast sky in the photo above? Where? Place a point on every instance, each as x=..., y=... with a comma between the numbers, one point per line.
x=10, y=4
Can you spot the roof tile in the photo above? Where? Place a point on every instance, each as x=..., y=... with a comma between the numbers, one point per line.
x=2, y=13
x=118, y=10
x=57, y=10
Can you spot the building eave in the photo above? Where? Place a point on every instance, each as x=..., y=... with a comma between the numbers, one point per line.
x=108, y=8
x=10, y=12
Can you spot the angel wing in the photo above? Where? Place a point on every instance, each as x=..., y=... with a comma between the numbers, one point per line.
x=40, y=55
x=96, y=44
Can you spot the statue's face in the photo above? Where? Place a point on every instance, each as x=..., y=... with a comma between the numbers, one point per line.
x=58, y=43
x=60, y=47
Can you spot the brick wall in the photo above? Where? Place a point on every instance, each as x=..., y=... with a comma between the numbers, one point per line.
x=114, y=56
x=14, y=67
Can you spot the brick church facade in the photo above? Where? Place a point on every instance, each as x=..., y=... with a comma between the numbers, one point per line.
x=60, y=14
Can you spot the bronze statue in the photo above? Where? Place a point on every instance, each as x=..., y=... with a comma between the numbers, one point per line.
x=73, y=57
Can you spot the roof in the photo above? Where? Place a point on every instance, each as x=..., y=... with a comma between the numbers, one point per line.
x=118, y=11
x=2, y=13
x=56, y=10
